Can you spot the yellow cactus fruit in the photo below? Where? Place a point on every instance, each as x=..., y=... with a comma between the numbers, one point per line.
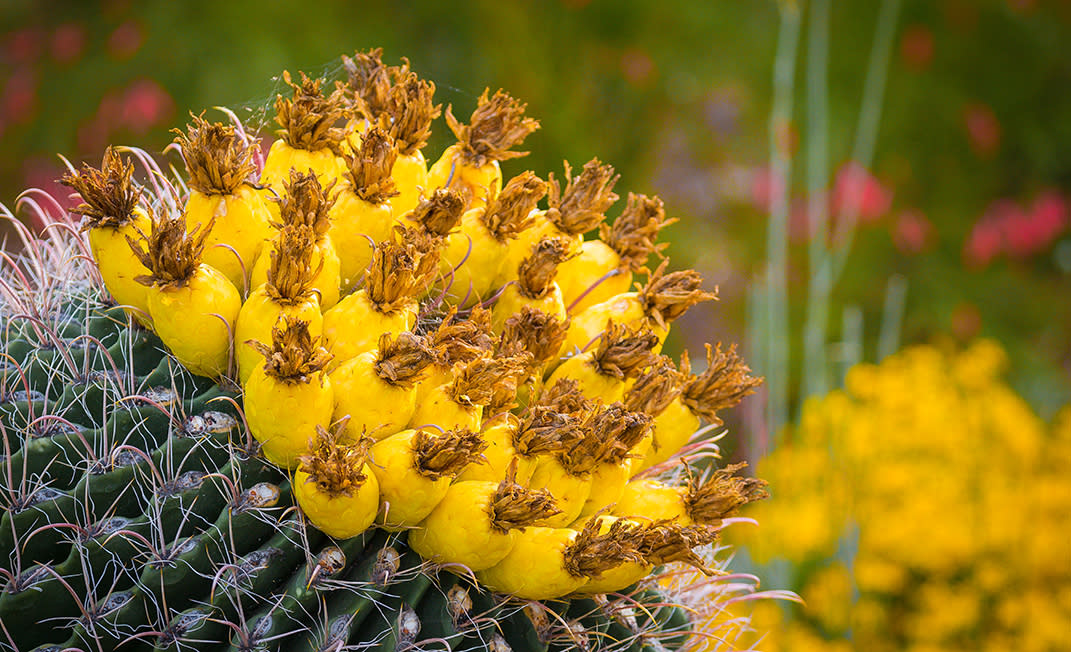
x=475, y=523
x=455, y=341
x=704, y=501
x=471, y=166
x=288, y=291
x=110, y=213
x=308, y=138
x=386, y=304
x=460, y=403
x=411, y=110
x=535, y=286
x=622, y=354
x=615, y=433
x=661, y=301
x=377, y=389
x=538, y=335
x=415, y=468
x=580, y=208
x=474, y=255
x=603, y=268
x=305, y=205
x=652, y=393
x=219, y=160
x=335, y=487
x=288, y=395
x=362, y=216
x=547, y=563
x=193, y=306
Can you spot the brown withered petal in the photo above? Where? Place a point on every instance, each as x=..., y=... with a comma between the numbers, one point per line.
x=666, y=297
x=655, y=388
x=411, y=109
x=514, y=507
x=719, y=496
x=109, y=195
x=634, y=232
x=290, y=271
x=462, y=340
x=536, y=272
x=475, y=381
x=666, y=542
x=565, y=396
x=509, y=212
x=582, y=206
x=497, y=125
x=334, y=466
x=398, y=272
x=438, y=456
x=544, y=430
x=533, y=331
x=170, y=252
x=217, y=159
x=441, y=213
x=308, y=119
x=624, y=352
x=401, y=360
x=305, y=201
x=368, y=169
x=294, y=356
x=591, y=553
x=726, y=381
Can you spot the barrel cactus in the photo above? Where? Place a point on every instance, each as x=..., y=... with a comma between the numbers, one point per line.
x=334, y=397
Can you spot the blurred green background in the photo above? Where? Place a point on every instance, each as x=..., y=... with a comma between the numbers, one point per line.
x=966, y=203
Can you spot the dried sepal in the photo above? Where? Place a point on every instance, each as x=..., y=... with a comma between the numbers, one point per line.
x=632, y=235
x=109, y=195
x=441, y=213
x=308, y=119
x=533, y=331
x=445, y=455
x=368, y=169
x=721, y=494
x=536, y=273
x=545, y=431
x=666, y=542
x=170, y=252
x=504, y=393
x=462, y=340
x=608, y=436
x=515, y=507
x=370, y=81
x=666, y=297
x=582, y=206
x=336, y=467
x=411, y=109
x=724, y=383
x=474, y=381
x=497, y=125
x=565, y=396
x=401, y=360
x=290, y=271
x=397, y=274
x=218, y=161
x=305, y=201
x=624, y=352
x=655, y=388
x=509, y=212
x=594, y=552
x=295, y=356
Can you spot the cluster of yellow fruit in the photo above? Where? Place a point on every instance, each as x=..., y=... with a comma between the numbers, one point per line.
x=925, y=507
x=428, y=349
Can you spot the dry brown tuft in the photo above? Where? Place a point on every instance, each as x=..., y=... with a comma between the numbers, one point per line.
x=445, y=455
x=371, y=82
x=475, y=381
x=565, y=396
x=582, y=206
x=411, y=110
x=401, y=361
x=397, y=274
x=665, y=542
x=624, y=352
x=668, y=296
x=515, y=507
x=290, y=271
x=533, y=331
x=294, y=356
x=462, y=340
x=719, y=496
x=309, y=119
x=171, y=253
x=336, y=467
x=536, y=273
x=368, y=170
x=305, y=201
x=441, y=213
x=634, y=232
x=109, y=195
x=545, y=431
x=591, y=553
x=726, y=381
x=655, y=388
x=497, y=125
x=609, y=434
x=218, y=161
x=509, y=212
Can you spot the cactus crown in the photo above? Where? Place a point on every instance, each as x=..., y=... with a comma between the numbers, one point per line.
x=633, y=233
x=368, y=169
x=445, y=455
x=583, y=204
x=497, y=125
x=294, y=356
x=309, y=119
x=172, y=253
x=401, y=361
x=726, y=381
x=509, y=212
x=335, y=467
x=217, y=160
x=109, y=195
x=440, y=213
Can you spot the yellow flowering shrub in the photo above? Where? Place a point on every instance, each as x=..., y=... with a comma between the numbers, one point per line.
x=924, y=507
